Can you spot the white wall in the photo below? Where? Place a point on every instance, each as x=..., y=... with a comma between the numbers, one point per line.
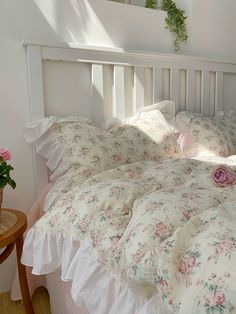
x=99, y=22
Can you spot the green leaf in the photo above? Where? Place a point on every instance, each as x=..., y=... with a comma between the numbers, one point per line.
x=12, y=183
x=151, y=4
x=176, y=23
x=5, y=177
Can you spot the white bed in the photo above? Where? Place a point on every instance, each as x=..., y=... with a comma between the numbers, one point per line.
x=101, y=83
x=104, y=83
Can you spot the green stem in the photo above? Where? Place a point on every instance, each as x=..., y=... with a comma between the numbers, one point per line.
x=176, y=23
x=175, y=20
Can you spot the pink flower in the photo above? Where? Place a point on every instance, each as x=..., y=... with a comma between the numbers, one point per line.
x=186, y=263
x=223, y=175
x=183, y=267
x=117, y=157
x=225, y=245
x=125, y=209
x=5, y=154
x=131, y=174
x=163, y=283
x=190, y=260
x=84, y=151
x=161, y=230
x=219, y=298
x=97, y=238
x=219, y=249
x=187, y=215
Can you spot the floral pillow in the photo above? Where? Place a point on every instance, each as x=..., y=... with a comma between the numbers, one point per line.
x=206, y=135
x=76, y=149
x=148, y=138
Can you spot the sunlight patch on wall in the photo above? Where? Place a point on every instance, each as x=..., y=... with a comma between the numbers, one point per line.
x=96, y=22
x=49, y=10
x=76, y=20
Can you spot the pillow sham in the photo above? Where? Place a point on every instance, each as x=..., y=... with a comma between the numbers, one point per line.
x=202, y=136
x=75, y=147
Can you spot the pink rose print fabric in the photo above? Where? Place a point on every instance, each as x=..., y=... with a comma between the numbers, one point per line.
x=169, y=226
x=202, y=135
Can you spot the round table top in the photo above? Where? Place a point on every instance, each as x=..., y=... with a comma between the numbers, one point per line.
x=16, y=231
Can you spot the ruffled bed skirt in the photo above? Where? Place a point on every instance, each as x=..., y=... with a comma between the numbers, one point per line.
x=94, y=287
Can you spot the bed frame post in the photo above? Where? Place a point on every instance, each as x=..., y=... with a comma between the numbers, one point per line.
x=35, y=81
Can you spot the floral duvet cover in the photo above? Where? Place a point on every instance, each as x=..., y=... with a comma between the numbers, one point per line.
x=164, y=225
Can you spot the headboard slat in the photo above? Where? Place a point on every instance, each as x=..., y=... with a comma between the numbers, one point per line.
x=174, y=87
x=219, y=91
x=138, y=94
x=212, y=93
x=119, y=92
x=190, y=90
x=98, y=94
x=157, y=84
x=205, y=92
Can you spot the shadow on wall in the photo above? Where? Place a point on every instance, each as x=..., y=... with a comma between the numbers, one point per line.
x=107, y=23
x=68, y=20
x=74, y=21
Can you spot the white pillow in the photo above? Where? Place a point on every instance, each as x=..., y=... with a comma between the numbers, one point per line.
x=166, y=107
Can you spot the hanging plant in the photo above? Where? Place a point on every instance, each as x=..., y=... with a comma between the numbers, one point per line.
x=175, y=20
x=151, y=4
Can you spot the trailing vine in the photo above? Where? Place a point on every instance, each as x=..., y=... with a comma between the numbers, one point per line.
x=175, y=20
x=151, y=4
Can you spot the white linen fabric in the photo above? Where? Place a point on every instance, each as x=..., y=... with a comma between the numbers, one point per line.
x=166, y=107
x=162, y=229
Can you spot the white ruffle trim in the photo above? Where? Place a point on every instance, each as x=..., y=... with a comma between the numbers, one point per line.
x=38, y=133
x=34, y=130
x=94, y=287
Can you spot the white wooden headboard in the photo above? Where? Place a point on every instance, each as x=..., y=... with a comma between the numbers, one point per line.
x=109, y=82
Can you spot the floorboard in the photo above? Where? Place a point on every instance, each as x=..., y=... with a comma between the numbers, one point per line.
x=40, y=303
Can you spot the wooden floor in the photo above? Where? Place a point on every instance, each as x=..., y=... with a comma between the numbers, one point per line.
x=40, y=303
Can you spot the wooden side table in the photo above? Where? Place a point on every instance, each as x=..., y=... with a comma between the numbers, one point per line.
x=8, y=240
